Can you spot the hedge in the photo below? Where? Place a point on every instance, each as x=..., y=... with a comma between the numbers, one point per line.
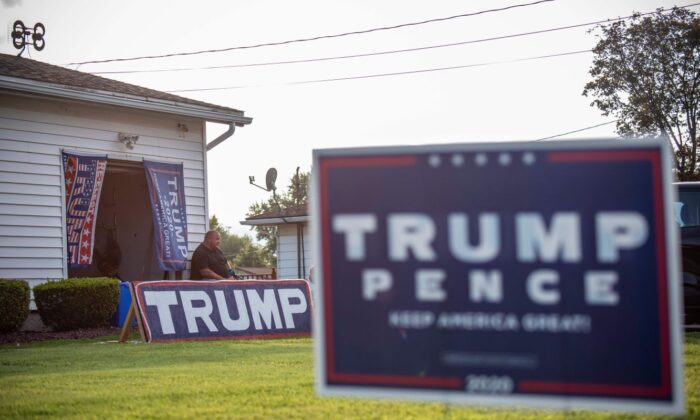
x=14, y=304
x=77, y=303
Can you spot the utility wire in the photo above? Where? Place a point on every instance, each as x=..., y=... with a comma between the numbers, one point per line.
x=365, y=31
x=369, y=76
x=576, y=131
x=342, y=57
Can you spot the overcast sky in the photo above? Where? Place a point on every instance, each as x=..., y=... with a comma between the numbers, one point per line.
x=524, y=100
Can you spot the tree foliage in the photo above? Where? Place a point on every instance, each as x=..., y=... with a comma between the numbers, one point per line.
x=242, y=251
x=253, y=255
x=646, y=73
x=297, y=194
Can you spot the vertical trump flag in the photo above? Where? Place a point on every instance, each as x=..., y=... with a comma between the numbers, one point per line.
x=83, y=177
x=166, y=189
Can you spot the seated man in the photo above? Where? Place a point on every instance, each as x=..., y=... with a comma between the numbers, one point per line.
x=208, y=261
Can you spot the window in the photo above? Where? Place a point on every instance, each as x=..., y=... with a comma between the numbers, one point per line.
x=687, y=208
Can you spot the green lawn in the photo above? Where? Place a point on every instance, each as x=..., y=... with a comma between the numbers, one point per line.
x=242, y=379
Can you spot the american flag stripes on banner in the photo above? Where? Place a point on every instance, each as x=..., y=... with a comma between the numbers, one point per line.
x=83, y=177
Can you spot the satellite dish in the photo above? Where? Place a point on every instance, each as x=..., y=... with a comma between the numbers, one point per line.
x=270, y=179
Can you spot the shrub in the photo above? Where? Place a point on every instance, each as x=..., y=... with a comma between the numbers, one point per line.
x=77, y=303
x=14, y=304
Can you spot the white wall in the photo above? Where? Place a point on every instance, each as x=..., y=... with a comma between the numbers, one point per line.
x=287, y=260
x=32, y=133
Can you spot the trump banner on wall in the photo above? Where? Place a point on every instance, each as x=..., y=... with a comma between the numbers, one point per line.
x=83, y=176
x=166, y=187
x=527, y=274
x=222, y=309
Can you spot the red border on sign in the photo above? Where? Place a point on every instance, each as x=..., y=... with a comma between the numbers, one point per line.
x=652, y=156
x=140, y=299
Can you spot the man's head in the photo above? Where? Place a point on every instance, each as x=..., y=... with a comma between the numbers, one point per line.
x=212, y=239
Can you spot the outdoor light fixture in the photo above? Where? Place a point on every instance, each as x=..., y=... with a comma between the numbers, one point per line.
x=129, y=140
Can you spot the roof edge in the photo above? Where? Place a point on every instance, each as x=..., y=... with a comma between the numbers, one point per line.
x=124, y=100
x=275, y=221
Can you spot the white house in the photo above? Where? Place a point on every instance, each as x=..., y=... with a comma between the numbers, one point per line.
x=45, y=109
x=294, y=259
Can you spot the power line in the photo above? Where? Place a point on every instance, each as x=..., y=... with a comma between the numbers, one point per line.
x=576, y=131
x=316, y=38
x=369, y=76
x=342, y=57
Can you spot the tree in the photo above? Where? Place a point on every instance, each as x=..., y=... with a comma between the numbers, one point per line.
x=253, y=255
x=241, y=250
x=646, y=73
x=214, y=223
x=297, y=194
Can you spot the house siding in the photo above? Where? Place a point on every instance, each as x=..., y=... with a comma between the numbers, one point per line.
x=33, y=132
x=287, y=260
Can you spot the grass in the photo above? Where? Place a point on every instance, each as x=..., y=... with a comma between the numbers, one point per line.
x=229, y=379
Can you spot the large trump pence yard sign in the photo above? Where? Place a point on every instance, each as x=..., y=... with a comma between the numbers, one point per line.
x=521, y=273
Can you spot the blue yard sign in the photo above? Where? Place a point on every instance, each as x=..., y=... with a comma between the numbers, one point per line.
x=541, y=274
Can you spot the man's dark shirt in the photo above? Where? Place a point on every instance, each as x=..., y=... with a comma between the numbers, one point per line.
x=205, y=258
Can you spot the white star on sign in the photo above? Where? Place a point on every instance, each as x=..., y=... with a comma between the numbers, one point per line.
x=504, y=159
x=528, y=158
